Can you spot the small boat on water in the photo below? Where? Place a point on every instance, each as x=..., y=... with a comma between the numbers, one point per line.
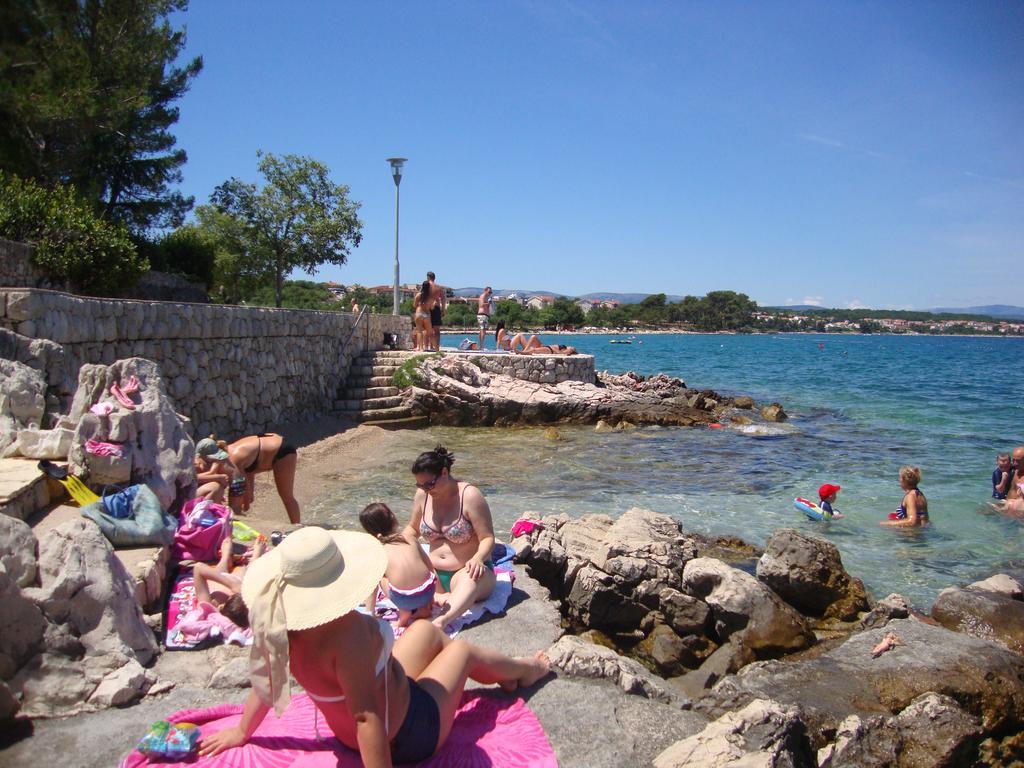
x=621, y=341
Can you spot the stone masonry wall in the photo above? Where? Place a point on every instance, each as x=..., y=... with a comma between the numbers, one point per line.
x=16, y=265
x=541, y=369
x=231, y=370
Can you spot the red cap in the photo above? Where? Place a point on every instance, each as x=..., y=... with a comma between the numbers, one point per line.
x=827, y=490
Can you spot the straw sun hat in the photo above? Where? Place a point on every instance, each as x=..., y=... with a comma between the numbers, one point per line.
x=313, y=577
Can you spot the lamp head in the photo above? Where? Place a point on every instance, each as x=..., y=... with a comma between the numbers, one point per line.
x=396, y=168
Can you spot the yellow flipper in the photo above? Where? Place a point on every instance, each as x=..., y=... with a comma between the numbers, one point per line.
x=79, y=491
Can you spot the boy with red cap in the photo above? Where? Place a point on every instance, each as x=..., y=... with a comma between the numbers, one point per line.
x=827, y=494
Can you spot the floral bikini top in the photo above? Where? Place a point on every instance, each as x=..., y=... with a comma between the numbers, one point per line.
x=458, y=532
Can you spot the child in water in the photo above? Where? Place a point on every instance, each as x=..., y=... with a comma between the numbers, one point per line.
x=913, y=510
x=409, y=579
x=827, y=494
x=1001, y=476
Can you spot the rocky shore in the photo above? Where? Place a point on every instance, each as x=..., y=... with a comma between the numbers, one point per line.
x=454, y=390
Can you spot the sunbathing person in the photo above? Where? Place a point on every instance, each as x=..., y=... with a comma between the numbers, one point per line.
x=221, y=586
x=392, y=700
x=534, y=346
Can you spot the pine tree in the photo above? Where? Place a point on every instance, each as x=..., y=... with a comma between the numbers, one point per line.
x=87, y=89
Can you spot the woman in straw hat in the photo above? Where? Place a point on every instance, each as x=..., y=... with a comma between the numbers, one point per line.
x=394, y=701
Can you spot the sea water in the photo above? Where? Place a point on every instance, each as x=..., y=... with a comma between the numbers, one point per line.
x=860, y=407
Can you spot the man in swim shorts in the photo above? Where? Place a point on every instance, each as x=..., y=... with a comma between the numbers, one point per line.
x=484, y=307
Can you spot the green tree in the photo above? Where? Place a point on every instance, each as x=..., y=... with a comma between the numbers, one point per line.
x=460, y=315
x=240, y=267
x=563, y=312
x=511, y=311
x=72, y=245
x=189, y=251
x=86, y=98
x=300, y=219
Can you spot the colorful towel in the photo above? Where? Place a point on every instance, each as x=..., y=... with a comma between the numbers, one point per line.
x=488, y=733
x=192, y=625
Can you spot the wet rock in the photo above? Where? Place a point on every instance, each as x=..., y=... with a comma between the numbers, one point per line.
x=987, y=615
x=744, y=402
x=763, y=733
x=774, y=412
x=740, y=603
x=808, y=574
x=726, y=659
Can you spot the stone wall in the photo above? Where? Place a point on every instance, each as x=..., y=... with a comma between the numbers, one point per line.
x=540, y=369
x=231, y=370
x=16, y=265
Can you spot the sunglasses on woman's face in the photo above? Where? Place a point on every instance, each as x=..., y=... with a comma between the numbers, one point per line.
x=429, y=485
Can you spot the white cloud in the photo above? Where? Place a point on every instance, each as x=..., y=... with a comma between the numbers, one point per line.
x=855, y=304
x=814, y=301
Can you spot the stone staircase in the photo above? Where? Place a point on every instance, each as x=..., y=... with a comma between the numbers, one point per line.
x=369, y=396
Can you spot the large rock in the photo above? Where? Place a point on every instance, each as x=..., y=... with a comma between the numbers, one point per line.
x=22, y=402
x=24, y=628
x=986, y=679
x=931, y=732
x=1000, y=584
x=808, y=574
x=987, y=615
x=85, y=585
x=17, y=551
x=159, y=452
x=763, y=733
x=894, y=606
x=740, y=603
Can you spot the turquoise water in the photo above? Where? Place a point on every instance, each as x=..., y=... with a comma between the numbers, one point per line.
x=860, y=407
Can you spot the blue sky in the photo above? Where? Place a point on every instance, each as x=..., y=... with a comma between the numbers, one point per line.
x=843, y=153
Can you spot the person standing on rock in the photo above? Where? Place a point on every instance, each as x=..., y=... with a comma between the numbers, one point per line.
x=267, y=452
x=484, y=307
x=454, y=519
x=437, y=293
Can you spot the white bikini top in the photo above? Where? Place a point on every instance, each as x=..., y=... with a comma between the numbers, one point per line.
x=388, y=638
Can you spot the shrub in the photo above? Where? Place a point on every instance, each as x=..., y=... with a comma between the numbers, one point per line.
x=187, y=251
x=408, y=372
x=72, y=245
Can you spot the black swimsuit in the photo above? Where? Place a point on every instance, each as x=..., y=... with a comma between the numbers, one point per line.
x=286, y=449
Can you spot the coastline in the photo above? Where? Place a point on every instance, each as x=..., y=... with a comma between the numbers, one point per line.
x=471, y=333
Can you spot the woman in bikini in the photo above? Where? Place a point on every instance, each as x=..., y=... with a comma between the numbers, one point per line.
x=421, y=306
x=913, y=510
x=392, y=700
x=265, y=452
x=454, y=519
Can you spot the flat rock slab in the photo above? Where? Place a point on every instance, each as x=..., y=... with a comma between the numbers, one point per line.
x=23, y=488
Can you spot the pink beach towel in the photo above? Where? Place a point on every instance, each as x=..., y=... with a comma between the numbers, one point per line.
x=488, y=733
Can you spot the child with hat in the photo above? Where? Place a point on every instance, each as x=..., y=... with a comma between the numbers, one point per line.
x=827, y=493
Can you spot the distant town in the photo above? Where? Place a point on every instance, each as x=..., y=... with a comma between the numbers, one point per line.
x=717, y=311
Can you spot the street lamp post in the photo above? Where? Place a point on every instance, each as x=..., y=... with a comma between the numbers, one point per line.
x=396, y=173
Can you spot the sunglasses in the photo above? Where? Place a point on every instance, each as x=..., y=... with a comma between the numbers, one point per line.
x=429, y=485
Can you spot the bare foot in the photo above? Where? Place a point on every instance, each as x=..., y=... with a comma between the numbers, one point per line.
x=539, y=666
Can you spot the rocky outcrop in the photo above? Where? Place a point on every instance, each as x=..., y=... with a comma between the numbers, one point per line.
x=988, y=615
x=808, y=574
x=75, y=640
x=454, y=391
x=575, y=657
x=1000, y=584
x=891, y=607
x=986, y=680
x=763, y=733
x=17, y=551
x=157, y=449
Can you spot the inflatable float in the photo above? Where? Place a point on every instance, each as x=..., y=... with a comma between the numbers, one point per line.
x=813, y=511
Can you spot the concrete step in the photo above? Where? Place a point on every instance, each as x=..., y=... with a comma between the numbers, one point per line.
x=410, y=422
x=383, y=414
x=367, y=382
x=390, y=355
x=24, y=489
x=348, y=405
x=381, y=392
x=384, y=370
x=379, y=403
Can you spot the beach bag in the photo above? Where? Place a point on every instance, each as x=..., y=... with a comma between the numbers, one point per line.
x=118, y=503
x=169, y=741
x=145, y=525
x=202, y=527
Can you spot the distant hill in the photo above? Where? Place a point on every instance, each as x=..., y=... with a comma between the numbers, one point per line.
x=622, y=298
x=1005, y=311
